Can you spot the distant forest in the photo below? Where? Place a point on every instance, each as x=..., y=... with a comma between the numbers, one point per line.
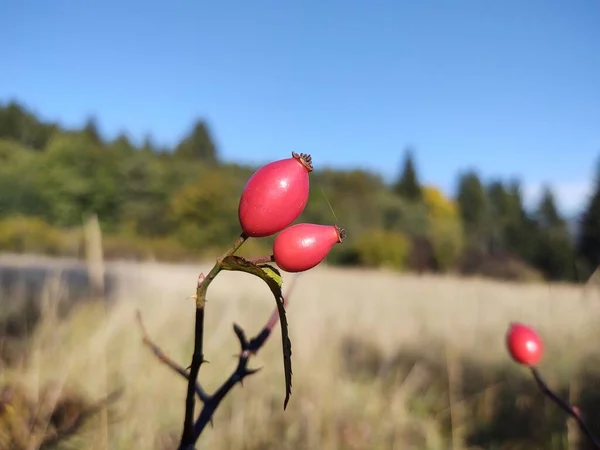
x=180, y=203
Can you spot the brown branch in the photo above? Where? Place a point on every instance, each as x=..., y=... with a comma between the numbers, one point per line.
x=262, y=259
x=163, y=358
x=81, y=420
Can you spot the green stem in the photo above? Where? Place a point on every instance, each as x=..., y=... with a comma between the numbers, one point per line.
x=187, y=436
x=203, y=287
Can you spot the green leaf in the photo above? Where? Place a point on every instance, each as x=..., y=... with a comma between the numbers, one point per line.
x=273, y=273
x=272, y=277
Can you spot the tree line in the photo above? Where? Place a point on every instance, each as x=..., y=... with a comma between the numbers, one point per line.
x=180, y=204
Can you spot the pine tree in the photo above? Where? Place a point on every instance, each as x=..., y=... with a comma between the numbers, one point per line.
x=198, y=145
x=547, y=213
x=498, y=211
x=513, y=230
x=21, y=125
x=554, y=250
x=122, y=145
x=11, y=117
x=408, y=186
x=473, y=206
x=522, y=229
x=148, y=145
x=588, y=242
x=90, y=130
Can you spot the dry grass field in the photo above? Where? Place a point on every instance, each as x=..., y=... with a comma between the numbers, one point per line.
x=380, y=361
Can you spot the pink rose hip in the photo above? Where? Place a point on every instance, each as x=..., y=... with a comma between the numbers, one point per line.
x=303, y=246
x=275, y=196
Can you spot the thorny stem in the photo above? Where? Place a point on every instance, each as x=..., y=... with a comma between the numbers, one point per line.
x=211, y=402
x=565, y=406
x=187, y=436
x=248, y=348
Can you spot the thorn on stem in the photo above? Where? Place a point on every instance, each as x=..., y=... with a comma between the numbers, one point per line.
x=249, y=372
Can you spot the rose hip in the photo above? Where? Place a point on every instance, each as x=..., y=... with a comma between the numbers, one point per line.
x=524, y=344
x=275, y=196
x=302, y=246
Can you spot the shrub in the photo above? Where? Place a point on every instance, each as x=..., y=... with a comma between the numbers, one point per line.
x=378, y=248
x=502, y=266
x=19, y=234
x=446, y=232
x=446, y=237
x=143, y=249
x=201, y=211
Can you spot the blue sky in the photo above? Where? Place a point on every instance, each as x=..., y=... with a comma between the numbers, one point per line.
x=510, y=87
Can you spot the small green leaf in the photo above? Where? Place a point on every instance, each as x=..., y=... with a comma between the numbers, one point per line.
x=272, y=277
x=273, y=273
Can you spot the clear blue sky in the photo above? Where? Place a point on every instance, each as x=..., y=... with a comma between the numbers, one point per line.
x=510, y=87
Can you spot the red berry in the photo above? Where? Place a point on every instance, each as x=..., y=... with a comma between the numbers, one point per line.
x=275, y=196
x=304, y=245
x=524, y=344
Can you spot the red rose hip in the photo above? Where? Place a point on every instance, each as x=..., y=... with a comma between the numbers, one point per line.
x=302, y=246
x=524, y=344
x=275, y=196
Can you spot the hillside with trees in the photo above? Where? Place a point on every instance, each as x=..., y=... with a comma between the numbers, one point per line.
x=180, y=203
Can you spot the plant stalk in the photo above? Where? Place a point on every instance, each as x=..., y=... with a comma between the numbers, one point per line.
x=565, y=406
x=187, y=435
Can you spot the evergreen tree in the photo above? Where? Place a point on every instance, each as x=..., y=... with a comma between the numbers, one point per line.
x=547, y=213
x=521, y=228
x=148, y=145
x=408, y=186
x=20, y=125
x=498, y=213
x=555, y=251
x=10, y=120
x=513, y=230
x=588, y=242
x=122, y=145
x=198, y=145
x=90, y=130
x=473, y=207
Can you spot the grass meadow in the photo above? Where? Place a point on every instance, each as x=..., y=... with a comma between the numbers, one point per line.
x=380, y=361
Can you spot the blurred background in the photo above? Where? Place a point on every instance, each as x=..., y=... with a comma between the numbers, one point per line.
x=458, y=144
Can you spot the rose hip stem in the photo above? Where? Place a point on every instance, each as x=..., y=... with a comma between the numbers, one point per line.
x=566, y=407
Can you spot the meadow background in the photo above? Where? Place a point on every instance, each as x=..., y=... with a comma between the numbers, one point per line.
x=456, y=142
x=398, y=338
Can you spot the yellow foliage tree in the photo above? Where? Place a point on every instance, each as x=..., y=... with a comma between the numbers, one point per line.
x=379, y=248
x=446, y=231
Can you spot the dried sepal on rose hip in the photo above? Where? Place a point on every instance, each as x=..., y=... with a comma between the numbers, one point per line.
x=275, y=195
x=524, y=344
x=303, y=246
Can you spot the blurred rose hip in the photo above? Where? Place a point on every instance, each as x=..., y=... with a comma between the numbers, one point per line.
x=524, y=344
